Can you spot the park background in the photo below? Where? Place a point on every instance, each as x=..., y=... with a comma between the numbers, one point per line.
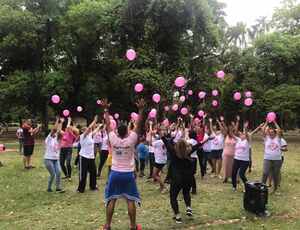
x=76, y=49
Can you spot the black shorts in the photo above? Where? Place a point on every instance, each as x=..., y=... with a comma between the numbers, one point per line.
x=216, y=154
x=159, y=166
x=28, y=150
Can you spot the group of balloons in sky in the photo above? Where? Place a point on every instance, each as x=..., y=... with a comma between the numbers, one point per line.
x=180, y=82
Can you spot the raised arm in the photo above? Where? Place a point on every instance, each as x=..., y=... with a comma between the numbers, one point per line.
x=106, y=106
x=256, y=129
x=222, y=126
x=278, y=129
x=90, y=127
x=141, y=119
x=211, y=126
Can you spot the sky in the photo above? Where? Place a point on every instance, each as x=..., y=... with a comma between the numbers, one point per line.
x=248, y=10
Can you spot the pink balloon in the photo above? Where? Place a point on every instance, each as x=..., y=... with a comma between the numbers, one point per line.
x=190, y=92
x=271, y=117
x=184, y=111
x=134, y=116
x=55, y=99
x=175, y=107
x=201, y=113
x=66, y=112
x=138, y=87
x=113, y=124
x=167, y=108
x=99, y=102
x=116, y=116
x=248, y=94
x=248, y=102
x=214, y=103
x=182, y=98
x=201, y=94
x=153, y=113
x=221, y=74
x=130, y=54
x=166, y=122
x=180, y=82
x=156, y=98
x=79, y=109
x=237, y=96
x=215, y=93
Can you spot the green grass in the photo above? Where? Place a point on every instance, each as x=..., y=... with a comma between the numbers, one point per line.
x=25, y=204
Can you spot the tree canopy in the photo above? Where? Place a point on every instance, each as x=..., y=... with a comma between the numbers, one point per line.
x=76, y=48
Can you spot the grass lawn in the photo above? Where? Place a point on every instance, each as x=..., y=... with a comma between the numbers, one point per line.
x=25, y=204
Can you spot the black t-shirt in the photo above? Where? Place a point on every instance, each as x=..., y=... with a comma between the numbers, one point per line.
x=28, y=139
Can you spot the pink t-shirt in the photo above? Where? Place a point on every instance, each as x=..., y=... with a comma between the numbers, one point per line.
x=67, y=139
x=229, y=146
x=123, y=152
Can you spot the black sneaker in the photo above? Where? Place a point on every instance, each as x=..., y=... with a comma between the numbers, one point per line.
x=177, y=219
x=189, y=212
x=49, y=190
x=60, y=190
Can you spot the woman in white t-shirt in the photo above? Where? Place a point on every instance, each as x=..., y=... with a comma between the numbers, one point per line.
x=51, y=157
x=272, y=154
x=241, y=160
x=104, y=151
x=160, y=155
x=87, y=157
x=217, y=144
x=194, y=158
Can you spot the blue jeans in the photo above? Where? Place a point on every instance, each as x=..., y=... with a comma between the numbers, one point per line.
x=54, y=170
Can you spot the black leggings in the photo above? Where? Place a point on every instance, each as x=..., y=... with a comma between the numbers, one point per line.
x=151, y=163
x=194, y=186
x=180, y=181
x=241, y=167
x=103, y=158
x=66, y=157
x=202, y=156
x=142, y=165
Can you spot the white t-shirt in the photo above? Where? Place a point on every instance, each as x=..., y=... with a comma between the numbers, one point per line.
x=160, y=152
x=123, y=151
x=104, y=145
x=97, y=137
x=177, y=135
x=272, y=148
x=217, y=143
x=193, y=142
x=283, y=143
x=52, y=148
x=87, y=146
x=242, y=150
x=20, y=133
x=207, y=145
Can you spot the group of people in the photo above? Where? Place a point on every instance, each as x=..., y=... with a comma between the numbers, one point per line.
x=176, y=148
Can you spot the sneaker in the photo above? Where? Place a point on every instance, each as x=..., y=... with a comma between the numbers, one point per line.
x=189, y=212
x=65, y=178
x=70, y=179
x=95, y=189
x=49, y=190
x=177, y=219
x=234, y=189
x=60, y=190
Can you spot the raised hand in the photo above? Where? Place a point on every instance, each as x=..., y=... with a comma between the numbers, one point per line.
x=140, y=104
x=210, y=120
x=105, y=103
